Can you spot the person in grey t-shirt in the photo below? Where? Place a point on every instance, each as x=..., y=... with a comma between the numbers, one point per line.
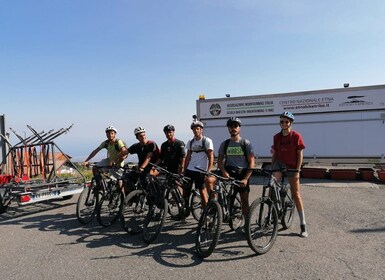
x=236, y=159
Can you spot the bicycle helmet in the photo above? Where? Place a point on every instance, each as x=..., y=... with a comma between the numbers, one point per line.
x=109, y=128
x=138, y=130
x=169, y=127
x=287, y=115
x=196, y=123
x=233, y=120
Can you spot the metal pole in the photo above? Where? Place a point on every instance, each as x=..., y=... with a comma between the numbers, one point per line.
x=3, y=151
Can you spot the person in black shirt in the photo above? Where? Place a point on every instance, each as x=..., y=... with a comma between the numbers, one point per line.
x=172, y=151
x=146, y=150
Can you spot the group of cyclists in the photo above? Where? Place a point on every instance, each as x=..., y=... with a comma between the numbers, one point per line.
x=235, y=158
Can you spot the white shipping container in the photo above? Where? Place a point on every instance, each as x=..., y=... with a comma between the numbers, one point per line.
x=344, y=125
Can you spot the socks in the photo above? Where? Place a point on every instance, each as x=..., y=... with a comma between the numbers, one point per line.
x=302, y=217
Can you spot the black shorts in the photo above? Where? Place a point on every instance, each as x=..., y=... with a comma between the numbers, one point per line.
x=197, y=177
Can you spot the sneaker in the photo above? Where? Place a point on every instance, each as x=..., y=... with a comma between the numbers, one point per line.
x=240, y=223
x=303, y=233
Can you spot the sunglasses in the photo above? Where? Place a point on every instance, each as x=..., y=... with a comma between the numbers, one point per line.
x=284, y=122
x=234, y=125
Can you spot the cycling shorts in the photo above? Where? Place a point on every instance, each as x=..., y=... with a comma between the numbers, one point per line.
x=197, y=177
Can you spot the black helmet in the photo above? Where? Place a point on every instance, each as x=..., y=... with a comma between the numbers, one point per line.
x=168, y=127
x=233, y=120
x=287, y=115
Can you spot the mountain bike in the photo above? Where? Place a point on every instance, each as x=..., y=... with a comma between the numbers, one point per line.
x=224, y=206
x=110, y=205
x=275, y=205
x=144, y=209
x=134, y=210
x=90, y=196
x=157, y=212
x=180, y=206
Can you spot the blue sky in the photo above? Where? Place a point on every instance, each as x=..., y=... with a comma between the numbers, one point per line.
x=144, y=63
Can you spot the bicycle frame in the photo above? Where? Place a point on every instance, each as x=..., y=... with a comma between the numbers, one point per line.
x=223, y=192
x=277, y=190
x=170, y=182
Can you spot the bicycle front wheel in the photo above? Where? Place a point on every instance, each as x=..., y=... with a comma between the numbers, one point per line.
x=109, y=208
x=235, y=220
x=261, y=225
x=288, y=209
x=85, y=207
x=209, y=229
x=134, y=211
x=196, y=205
x=155, y=220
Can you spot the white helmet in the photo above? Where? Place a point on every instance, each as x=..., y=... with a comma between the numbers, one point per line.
x=111, y=128
x=138, y=130
x=196, y=123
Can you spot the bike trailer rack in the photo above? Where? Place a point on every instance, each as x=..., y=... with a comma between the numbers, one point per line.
x=33, y=163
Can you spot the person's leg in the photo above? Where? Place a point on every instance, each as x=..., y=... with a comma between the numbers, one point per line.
x=204, y=196
x=209, y=184
x=295, y=190
x=200, y=184
x=198, y=180
x=154, y=172
x=245, y=203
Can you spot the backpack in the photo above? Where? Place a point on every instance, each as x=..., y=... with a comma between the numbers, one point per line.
x=243, y=146
x=116, y=144
x=204, y=148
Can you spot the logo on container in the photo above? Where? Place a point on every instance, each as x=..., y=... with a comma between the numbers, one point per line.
x=215, y=109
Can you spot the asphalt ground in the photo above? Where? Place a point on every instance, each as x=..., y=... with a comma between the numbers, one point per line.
x=346, y=222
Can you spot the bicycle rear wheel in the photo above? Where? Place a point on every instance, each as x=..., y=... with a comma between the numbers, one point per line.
x=134, y=211
x=155, y=219
x=236, y=218
x=288, y=208
x=261, y=225
x=174, y=203
x=196, y=205
x=3, y=204
x=109, y=208
x=209, y=229
x=86, y=205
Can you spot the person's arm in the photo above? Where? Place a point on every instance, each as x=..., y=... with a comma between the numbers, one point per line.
x=182, y=158
x=273, y=157
x=250, y=167
x=146, y=161
x=273, y=152
x=119, y=156
x=187, y=160
x=299, y=162
x=221, y=166
x=161, y=155
x=93, y=153
x=210, y=156
x=181, y=165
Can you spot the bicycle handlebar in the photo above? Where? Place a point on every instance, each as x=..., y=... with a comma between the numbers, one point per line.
x=271, y=171
x=231, y=179
x=174, y=175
